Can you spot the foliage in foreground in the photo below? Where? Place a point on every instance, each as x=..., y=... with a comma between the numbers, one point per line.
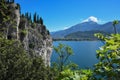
x=82, y=74
x=64, y=52
x=109, y=58
x=16, y=64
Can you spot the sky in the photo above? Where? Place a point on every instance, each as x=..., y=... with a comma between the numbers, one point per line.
x=62, y=14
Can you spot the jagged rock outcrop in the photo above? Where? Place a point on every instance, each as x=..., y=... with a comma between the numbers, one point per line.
x=36, y=39
x=34, y=36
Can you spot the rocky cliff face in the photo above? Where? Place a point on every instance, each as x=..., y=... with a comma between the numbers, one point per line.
x=34, y=36
x=36, y=39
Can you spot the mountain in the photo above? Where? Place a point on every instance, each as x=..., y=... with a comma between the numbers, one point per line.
x=84, y=28
x=108, y=27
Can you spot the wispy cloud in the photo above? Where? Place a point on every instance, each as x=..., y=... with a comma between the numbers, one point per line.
x=102, y=21
x=66, y=28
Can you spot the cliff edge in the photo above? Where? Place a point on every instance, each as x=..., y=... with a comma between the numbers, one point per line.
x=34, y=36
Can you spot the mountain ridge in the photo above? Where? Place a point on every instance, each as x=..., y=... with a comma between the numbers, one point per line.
x=85, y=26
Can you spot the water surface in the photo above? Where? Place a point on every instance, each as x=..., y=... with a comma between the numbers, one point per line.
x=84, y=52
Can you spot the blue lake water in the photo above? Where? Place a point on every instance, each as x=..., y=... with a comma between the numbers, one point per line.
x=84, y=52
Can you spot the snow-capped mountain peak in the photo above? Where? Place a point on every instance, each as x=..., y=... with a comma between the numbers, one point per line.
x=91, y=19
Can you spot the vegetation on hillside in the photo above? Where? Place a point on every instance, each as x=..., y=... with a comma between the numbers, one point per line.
x=84, y=35
x=16, y=64
x=34, y=19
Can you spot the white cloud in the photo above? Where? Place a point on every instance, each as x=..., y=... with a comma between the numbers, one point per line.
x=66, y=28
x=91, y=18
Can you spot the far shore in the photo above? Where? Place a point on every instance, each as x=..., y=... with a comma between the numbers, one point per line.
x=87, y=39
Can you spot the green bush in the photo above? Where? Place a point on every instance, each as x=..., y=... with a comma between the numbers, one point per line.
x=31, y=45
x=109, y=58
x=15, y=64
x=23, y=33
x=33, y=25
x=64, y=52
x=82, y=74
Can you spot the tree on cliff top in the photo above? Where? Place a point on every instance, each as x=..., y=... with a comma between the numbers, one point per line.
x=41, y=21
x=35, y=17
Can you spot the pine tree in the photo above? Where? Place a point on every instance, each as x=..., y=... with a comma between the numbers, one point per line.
x=22, y=15
x=35, y=17
x=26, y=15
x=41, y=21
x=29, y=18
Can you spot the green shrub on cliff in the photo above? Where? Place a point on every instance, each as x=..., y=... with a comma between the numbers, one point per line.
x=16, y=64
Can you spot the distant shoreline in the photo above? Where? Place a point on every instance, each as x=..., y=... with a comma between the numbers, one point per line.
x=62, y=39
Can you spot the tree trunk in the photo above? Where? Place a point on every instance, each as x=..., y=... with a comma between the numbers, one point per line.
x=115, y=31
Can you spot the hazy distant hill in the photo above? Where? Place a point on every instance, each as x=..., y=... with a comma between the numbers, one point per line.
x=84, y=35
x=85, y=29
x=108, y=27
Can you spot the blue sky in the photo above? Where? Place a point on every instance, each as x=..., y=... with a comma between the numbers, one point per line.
x=61, y=14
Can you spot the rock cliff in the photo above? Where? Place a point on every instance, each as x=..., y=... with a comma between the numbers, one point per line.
x=34, y=37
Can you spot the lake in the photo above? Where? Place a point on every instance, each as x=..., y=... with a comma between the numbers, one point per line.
x=84, y=52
